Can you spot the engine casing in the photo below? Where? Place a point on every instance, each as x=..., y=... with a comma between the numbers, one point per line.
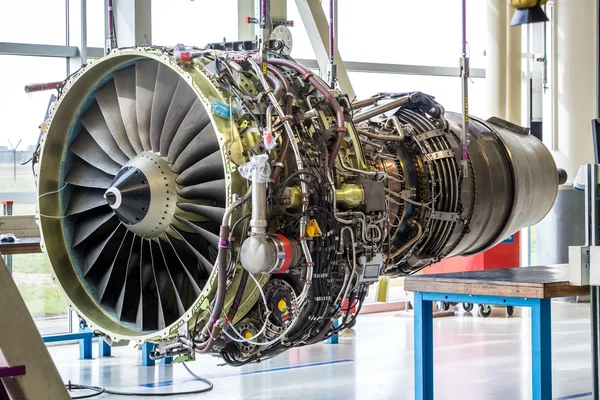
x=190, y=199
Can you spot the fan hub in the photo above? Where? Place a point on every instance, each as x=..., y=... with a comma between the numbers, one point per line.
x=143, y=195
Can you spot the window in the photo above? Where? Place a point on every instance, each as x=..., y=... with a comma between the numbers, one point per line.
x=21, y=115
x=33, y=21
x=387, y=31
x=194, y=23
x=95, y=23
x=45, y=300
x=445, y=89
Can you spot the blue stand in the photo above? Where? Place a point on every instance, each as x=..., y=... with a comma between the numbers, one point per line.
x=85, y=341
x=147, y=361
x=334, y=339
x=104, y=349
x=146, y=350
x=541, y=339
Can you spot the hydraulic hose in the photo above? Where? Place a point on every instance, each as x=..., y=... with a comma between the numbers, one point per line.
x=308, y=76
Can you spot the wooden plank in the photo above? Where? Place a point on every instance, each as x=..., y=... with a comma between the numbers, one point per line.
x=23, y=246
x=539, y=282
x=21, y=344
x=19, y=225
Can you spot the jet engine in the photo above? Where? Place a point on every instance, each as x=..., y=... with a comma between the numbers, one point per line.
x=208, y=202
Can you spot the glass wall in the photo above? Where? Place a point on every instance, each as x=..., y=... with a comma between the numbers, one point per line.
x=194, y=23
x=31, y=22
x=396, y=32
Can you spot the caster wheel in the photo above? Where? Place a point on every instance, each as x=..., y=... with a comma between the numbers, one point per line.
x=454, y=304
x=510, y=310
x=468, y=307
x=485, y=310
x=443, y=306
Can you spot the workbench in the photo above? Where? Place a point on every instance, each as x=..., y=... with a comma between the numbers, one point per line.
x=532, y=287
x=27, y=245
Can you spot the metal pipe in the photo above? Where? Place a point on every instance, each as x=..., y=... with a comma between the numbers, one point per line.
x=380, y=137
x=112, y=37
x=332, y=37
x=366, y=102
x=277, y=85
x=464, y=72
x=258, y=223
x=307, y=75
x=289, y=98
x=39, y=87
x=593, y=226
x=591, y=239
x=377, y=110
x=406, y=245
x=300, y=165
x=83, y=47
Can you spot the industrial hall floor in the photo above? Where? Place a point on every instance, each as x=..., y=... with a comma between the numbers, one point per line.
x=475, y=358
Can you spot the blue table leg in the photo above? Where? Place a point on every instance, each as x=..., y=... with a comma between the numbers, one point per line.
x=146, y=350
x=85, y=345
x=541, y=345
x=85, y=348
x=104, y=349
x=334, y=339
x=166, y=360
x=423, y=348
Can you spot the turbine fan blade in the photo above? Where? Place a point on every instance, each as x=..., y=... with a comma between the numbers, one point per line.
x=203, y=262
x=203, y=145
x=188, y=296
x=166, y=82
x=170, y=290
x=194, y=123
x=108, y=101
x=94, y=123
x=84, y=199
x=146, y=317
x=88, y=150
x=130, y=294
x=89, y=222
x=83, y=174
x=96, y=247
x=161, y=314
x=109, y=285
x=209, y=236
x=145, y=82
x=126, y=89
x=207, y=169
x=180, y=105
x=213, y=213
x=214, y=190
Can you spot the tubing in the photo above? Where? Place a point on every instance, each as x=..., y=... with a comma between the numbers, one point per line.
x=39, y=87
x=380, y=137
x=307, y=75
x=409, y=243
x=277, y=86
x=366, y=102
x=375, y=111
x=289, y=98
x=211, y=326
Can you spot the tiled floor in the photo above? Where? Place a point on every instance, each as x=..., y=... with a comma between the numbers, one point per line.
x=475, y=358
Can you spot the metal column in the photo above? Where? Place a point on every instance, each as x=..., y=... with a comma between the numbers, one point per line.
x=592, y=227
x=7, y=209
x=591, y=239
